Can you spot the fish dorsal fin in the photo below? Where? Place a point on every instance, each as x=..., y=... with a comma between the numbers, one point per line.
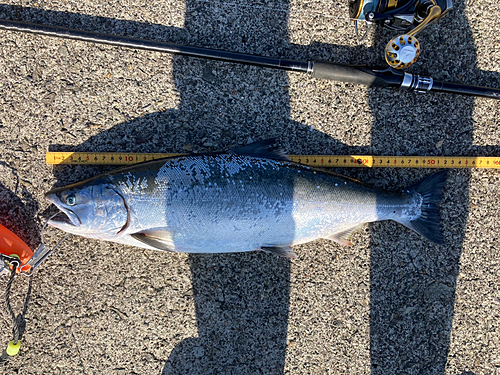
x=282, y=251
x=344, y=236
x=264, y=149
x=159, y=239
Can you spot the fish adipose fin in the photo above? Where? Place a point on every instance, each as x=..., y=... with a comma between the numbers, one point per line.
x=428, y=224
x=282, y=251
x=161, y=240
x=344, y=236
x=263, y=149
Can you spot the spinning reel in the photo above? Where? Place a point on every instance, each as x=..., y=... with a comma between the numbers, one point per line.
x=405, y=16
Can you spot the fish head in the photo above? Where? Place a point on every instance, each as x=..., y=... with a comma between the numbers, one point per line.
x=92, y=208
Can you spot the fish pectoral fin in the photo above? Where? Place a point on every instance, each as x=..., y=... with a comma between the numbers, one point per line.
x=282, y=251
x=344, y=236
x=161, y=240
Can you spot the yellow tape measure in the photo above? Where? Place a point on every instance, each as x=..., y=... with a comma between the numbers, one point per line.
x=325, y=161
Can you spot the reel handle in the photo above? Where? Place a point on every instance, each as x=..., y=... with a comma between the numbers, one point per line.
x=402, y=51
x=434, y=13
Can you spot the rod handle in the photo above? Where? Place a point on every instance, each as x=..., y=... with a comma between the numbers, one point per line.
x=359, y=75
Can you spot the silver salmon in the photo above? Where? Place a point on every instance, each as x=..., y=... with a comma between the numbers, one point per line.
x=251, y=198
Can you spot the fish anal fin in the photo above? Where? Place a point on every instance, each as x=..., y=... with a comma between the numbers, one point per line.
x=340, y=241
x=159, y=239
x=344, y=236
x=282, y=251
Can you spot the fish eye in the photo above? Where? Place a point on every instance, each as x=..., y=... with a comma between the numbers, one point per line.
x=71, y=200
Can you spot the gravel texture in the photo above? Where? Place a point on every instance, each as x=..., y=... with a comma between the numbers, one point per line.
x=393, y=303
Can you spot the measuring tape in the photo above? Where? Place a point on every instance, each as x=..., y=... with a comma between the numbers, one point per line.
x=325, y=161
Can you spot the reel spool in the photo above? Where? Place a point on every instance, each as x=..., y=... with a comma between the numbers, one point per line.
x=402, y=51
x=408, y=17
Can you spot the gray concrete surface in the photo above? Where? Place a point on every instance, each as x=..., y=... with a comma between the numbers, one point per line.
x=391, y=304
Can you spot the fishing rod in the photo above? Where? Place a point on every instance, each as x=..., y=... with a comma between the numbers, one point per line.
x=387, y=77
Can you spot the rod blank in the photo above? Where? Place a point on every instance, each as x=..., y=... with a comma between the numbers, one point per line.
x=151, y=45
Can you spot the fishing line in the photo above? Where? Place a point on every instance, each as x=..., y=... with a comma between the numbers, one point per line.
x=42, y=252
x=15, y=264
x=323, y=161
x=18, y=323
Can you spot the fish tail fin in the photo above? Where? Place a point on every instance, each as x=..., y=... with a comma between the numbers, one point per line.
x=428, y=224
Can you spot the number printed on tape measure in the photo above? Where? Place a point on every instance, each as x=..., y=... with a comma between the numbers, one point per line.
x=102, y=158
x=328, y=161
x=369, y=161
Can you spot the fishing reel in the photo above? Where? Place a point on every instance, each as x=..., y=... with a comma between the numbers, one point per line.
x=405, y=16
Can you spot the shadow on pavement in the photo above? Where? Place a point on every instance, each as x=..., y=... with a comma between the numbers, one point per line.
x=19, y=215
x=242, y=300
x=412, y=288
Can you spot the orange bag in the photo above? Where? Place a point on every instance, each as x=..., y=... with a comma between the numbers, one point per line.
x=12, y=245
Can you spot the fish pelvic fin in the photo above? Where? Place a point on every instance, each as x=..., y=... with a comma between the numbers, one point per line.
x=344, y=236
x=158, y=239
x=282, y=251
x=428, y=224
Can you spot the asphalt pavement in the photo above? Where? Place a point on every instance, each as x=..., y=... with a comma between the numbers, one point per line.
x=393, y=303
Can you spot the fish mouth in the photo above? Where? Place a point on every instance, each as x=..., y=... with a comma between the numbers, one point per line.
x=65, y=218
x=61, y=218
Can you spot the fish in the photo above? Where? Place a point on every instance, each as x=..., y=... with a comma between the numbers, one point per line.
x=250, y=198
